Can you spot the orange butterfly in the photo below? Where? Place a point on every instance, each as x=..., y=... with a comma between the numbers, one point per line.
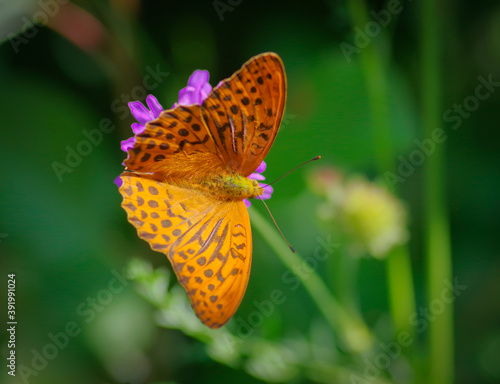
x=187, y=176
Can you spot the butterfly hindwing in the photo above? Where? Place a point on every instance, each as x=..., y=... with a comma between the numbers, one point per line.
x=244, y=112
x=208, y=242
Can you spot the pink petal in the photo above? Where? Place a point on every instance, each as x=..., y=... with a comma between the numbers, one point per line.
x=186, y=96
x=154, y=105
x=138, y=128
x=199, y=78
x=261, y=168
x=127, y=144
x=118, y=181
x=205, y=91
x=141, y=114
x=268, y=190
x=256, y=176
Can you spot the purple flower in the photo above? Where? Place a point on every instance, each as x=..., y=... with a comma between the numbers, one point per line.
x=196, y=92
x=257, y=175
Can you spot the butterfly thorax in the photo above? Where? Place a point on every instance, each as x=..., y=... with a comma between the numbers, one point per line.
x=205, y=173
x=236, y=187
x=227, y=187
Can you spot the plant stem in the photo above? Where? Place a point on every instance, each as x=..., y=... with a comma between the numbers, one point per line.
x=400, y=280
x=436, y=224
x=350, y=328
x=401, y=293
x=373, y=65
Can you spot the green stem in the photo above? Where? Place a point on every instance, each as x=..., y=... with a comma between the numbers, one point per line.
x=439, y=265
x=373, y=65
x=401, y=293
x=400, y=280
x=347, y=325
x=347, y=278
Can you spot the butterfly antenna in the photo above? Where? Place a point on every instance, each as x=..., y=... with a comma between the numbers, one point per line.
x=293, y=169
x=276, y=224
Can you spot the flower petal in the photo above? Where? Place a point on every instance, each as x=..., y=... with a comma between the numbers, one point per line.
x=205, y=91
x=268, y=190
x=186, y=96
x=141, y=114
x=261, y=168
x=154, y=106
x=138, y=128
x=118, y=181
x=127, y=144
x=247, y=203
x=265, y=196
x=256, y=176
x=198, y=79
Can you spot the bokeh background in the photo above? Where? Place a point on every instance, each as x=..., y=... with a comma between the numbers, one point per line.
x=365, y=80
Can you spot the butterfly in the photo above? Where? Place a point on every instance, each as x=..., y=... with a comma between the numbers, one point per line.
x=186, y=177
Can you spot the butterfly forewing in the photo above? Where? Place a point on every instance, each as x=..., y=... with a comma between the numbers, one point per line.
x=208, y=242
x=237, y=123
x=244, y=112
x=175, y=131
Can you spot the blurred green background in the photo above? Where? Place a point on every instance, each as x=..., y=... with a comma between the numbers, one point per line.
x=365, y=80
